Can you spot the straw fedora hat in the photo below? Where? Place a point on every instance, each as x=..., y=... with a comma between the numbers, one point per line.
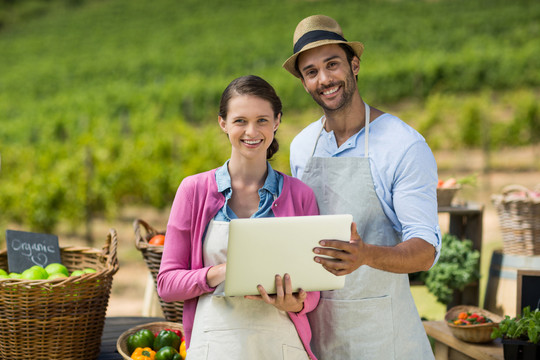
x=314, y=31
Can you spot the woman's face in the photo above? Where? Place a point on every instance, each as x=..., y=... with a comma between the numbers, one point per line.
x=250, y=124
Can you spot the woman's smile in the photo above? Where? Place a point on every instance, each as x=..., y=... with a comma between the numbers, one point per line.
x=253, y=143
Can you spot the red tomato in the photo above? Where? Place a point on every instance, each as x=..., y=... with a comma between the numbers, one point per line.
x=157, y=240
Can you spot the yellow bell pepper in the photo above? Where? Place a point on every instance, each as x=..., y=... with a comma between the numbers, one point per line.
x=143, y=354
x=183, y=349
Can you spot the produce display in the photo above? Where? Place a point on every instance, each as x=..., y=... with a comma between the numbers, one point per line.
x=445, y=184
x=470, y=318
x=50, y=272
x=453, y=182
x=522, y=193
x=167, y=344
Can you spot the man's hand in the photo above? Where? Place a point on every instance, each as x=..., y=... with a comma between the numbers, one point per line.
x=347, y=256
x=284, y=299
x=409, y=256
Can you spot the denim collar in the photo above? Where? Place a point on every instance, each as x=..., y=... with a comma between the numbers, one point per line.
x=223, y=179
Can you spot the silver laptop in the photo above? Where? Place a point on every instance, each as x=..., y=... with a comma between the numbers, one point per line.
x=261, y=248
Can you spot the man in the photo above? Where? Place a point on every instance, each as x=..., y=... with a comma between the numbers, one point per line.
x=368, y=163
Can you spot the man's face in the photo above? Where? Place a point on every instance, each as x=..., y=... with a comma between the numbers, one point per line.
x=328, y=77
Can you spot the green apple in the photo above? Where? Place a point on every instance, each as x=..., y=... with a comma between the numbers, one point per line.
x=77, y=273
x=34, y=273
x=2, y=276
x=89, y=271
x=3, y=272
x=56, y=268
x=14, y=275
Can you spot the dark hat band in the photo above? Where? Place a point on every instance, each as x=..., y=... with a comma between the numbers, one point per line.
x=316, y=35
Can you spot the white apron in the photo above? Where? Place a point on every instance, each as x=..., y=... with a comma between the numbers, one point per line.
x=236, y=328
x=374, y=316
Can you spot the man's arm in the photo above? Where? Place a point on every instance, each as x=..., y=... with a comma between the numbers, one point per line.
x=407, y=257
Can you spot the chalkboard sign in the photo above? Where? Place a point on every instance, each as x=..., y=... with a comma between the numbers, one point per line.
x=26, y=249
x=528, y=290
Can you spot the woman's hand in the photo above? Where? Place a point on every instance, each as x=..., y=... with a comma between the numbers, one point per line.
x=216, y=275
x=284, y=299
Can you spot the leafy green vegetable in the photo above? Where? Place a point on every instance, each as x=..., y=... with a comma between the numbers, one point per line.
x=458, y=266
x=468, y=180
x=525, y=327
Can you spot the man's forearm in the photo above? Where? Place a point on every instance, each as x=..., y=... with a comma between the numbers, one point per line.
x=409, y=256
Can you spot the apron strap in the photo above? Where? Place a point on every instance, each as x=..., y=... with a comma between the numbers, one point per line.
x=318, y=136
x=366, y=142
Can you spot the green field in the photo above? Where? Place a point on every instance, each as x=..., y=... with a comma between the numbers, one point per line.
x=106, y=103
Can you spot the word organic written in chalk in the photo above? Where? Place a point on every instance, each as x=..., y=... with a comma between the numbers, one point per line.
x=26, y=249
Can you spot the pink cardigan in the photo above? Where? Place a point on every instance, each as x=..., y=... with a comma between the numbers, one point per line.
x=182, y=276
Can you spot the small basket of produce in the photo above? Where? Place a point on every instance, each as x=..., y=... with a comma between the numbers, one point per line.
x=149, y=242
x=471, y=323
x=160, y=340
x=518, y=209
x=446, y=190
x=60, y=317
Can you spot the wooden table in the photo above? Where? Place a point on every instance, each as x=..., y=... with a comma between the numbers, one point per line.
x=448, y=347
x=114, y=327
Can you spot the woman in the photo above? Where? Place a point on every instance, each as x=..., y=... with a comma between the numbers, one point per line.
x=194, y=257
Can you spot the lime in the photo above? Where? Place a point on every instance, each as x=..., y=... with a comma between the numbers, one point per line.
x=14, y=275
x=34, y=273
x=3, y=272
x=89, y=271
x=2, y=276
x=56, y=268
x=40, y=268
x=77, y=273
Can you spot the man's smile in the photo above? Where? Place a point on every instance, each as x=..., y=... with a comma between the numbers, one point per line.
x=329, y=91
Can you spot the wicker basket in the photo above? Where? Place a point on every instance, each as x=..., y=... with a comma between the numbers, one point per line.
x=61, y=318
x=519, y=218
x=478, y=333
x=121, y=343
x=446, y=195
x=172, y=311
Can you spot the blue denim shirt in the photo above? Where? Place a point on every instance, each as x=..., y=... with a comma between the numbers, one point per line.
x=271, y=189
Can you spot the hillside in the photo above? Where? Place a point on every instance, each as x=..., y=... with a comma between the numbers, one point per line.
x=107, y=103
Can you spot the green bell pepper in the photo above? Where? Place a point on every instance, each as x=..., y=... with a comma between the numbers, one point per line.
x=142, y=338
x=166, y=338
x=168, y=353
